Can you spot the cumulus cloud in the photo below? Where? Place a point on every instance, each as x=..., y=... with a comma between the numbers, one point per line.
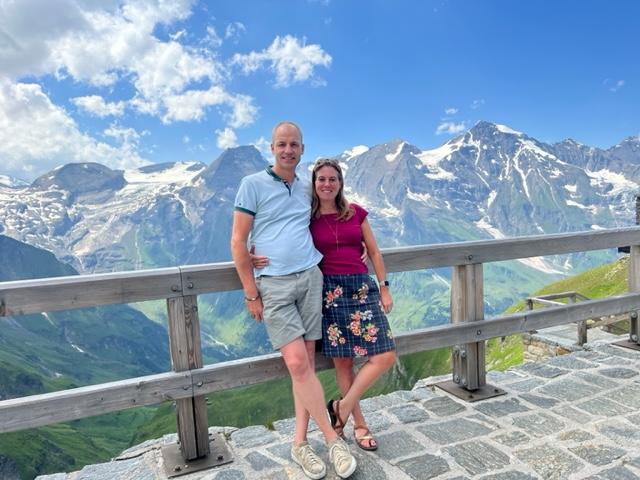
x=450, y=128
x=450, y=111
x=288, y=58
x=36, y=135
x=226, y=138
x=96, y=105
x=264, y=146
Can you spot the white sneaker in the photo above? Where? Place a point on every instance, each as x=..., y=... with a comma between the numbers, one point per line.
x=311, y=464
x=343, y=462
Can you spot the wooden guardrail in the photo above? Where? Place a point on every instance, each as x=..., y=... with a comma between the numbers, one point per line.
x=190, y=380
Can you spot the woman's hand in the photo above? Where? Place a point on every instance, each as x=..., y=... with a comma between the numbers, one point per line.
x=385, y=299
x=258, y=261
x=365, y=253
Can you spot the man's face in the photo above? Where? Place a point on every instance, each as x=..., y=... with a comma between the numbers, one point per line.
x=287, y=147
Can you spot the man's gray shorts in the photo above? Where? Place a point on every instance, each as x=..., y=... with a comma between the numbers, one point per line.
x=292, y=306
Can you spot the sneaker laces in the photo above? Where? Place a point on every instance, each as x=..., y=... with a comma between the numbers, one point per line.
x=308, y=456
x=340, y=454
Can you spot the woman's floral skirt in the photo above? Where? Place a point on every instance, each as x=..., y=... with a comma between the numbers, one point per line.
x=353, y=322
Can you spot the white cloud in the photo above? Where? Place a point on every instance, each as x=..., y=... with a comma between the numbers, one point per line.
x=450, y=128
x=264, y=146
x=617, y=85
x=226, y=138
x=450, y=111
x=212, y=38
x=36, y=135
x=288, y=58
x=96, y=105
x=234, y=30
x=477, y=103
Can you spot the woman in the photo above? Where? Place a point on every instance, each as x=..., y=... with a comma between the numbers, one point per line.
x=354, y=322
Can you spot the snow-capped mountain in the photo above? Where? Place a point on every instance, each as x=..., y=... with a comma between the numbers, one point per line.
x=489, y=182
x=12, y=182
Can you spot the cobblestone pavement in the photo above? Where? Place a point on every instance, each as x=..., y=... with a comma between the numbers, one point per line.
x=570, y=417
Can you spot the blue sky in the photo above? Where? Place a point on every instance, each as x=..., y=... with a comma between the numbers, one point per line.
x=131, y=82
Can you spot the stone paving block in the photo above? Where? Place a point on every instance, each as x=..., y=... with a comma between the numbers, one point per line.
x=549, y=462
x=377, y=423
x=621, y=432
x=424, y=467
x=280, y=475
x=443, y=406
x=571, y=413
x=575, y=436
x=287, y=426
x=230, y=474
x=453, y=431
x=422, y=393
x=409, y=413
x=539, y=401
x=570, y=362
x=629, y=395
x=119, y=470
x=635, y=418
x=590, y=355
x=283, y=450
x=512, y=439
x=258, y=461
x=541, y=370
x=510, y=475
x=538, y=424
x=595, y=379
x=569, y=390
x=368, y=468
x=598, y=454
x=603, y=406
x=398, y=444
x=619, y=372
x=525, y=385
x=253, y=436
x=501, y=408
x=487, y=420
x=478, y=457
x=381, y=402
x=618, y=352
x=615, y=473
x=496, y=376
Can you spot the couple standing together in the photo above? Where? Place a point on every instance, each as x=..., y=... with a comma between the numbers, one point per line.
x=308, y=282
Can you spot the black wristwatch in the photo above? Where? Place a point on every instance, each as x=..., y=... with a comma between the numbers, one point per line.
x=384, y=283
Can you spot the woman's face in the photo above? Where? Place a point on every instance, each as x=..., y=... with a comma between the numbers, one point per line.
x=327, y=183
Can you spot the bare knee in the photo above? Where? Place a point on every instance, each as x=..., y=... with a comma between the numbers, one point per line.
x=384, y=360
x=298, y=365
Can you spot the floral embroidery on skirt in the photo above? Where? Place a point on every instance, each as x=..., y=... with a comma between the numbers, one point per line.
x=353, y=322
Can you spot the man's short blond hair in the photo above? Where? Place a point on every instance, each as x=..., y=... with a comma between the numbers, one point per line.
x=285, y=122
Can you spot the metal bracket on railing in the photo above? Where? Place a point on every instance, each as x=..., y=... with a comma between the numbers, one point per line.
x=634, y=332
x=175, y=464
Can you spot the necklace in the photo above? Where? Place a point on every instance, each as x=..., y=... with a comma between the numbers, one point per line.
x=334, y=231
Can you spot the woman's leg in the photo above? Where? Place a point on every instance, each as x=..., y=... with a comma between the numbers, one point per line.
x=344, y=379
x=370, y=372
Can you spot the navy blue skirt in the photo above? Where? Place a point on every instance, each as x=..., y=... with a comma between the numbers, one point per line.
x=353, y=322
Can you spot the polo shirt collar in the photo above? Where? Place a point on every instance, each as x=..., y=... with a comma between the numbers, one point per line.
x=276, y=177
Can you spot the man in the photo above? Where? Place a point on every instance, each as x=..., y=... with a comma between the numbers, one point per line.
x=273, y=207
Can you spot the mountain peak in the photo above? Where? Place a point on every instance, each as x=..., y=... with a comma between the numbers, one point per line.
x=79, y=178
x=233, y=163
x=484, y=128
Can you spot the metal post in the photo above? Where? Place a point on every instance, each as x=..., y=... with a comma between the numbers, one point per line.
x=467, y=305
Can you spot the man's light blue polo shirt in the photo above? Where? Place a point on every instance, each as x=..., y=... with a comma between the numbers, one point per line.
x=281, y=216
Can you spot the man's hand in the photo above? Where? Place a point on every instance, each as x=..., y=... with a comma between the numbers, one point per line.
x=255, y=308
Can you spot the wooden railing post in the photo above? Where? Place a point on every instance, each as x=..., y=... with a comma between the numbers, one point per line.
x=634, y=286
x=186, y=354
x=467, y=305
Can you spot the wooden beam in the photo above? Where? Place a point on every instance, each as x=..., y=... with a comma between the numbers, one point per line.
x=63, y=293
x=38, y=410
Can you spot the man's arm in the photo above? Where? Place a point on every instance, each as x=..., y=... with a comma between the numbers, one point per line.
x=242, y=223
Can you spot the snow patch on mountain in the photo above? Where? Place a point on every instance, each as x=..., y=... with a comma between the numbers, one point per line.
x=392, y=157
x=12, y=182
x=618, y=181
x=507, y=130
x=179, y=172
x=354, y=152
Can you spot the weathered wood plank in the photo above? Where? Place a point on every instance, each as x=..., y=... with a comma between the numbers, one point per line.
x=555, y=296
x=542, y=301
x=186, y=354
x=38, y=410
x=34, y=296
x=78, y=291
x=634, y=286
